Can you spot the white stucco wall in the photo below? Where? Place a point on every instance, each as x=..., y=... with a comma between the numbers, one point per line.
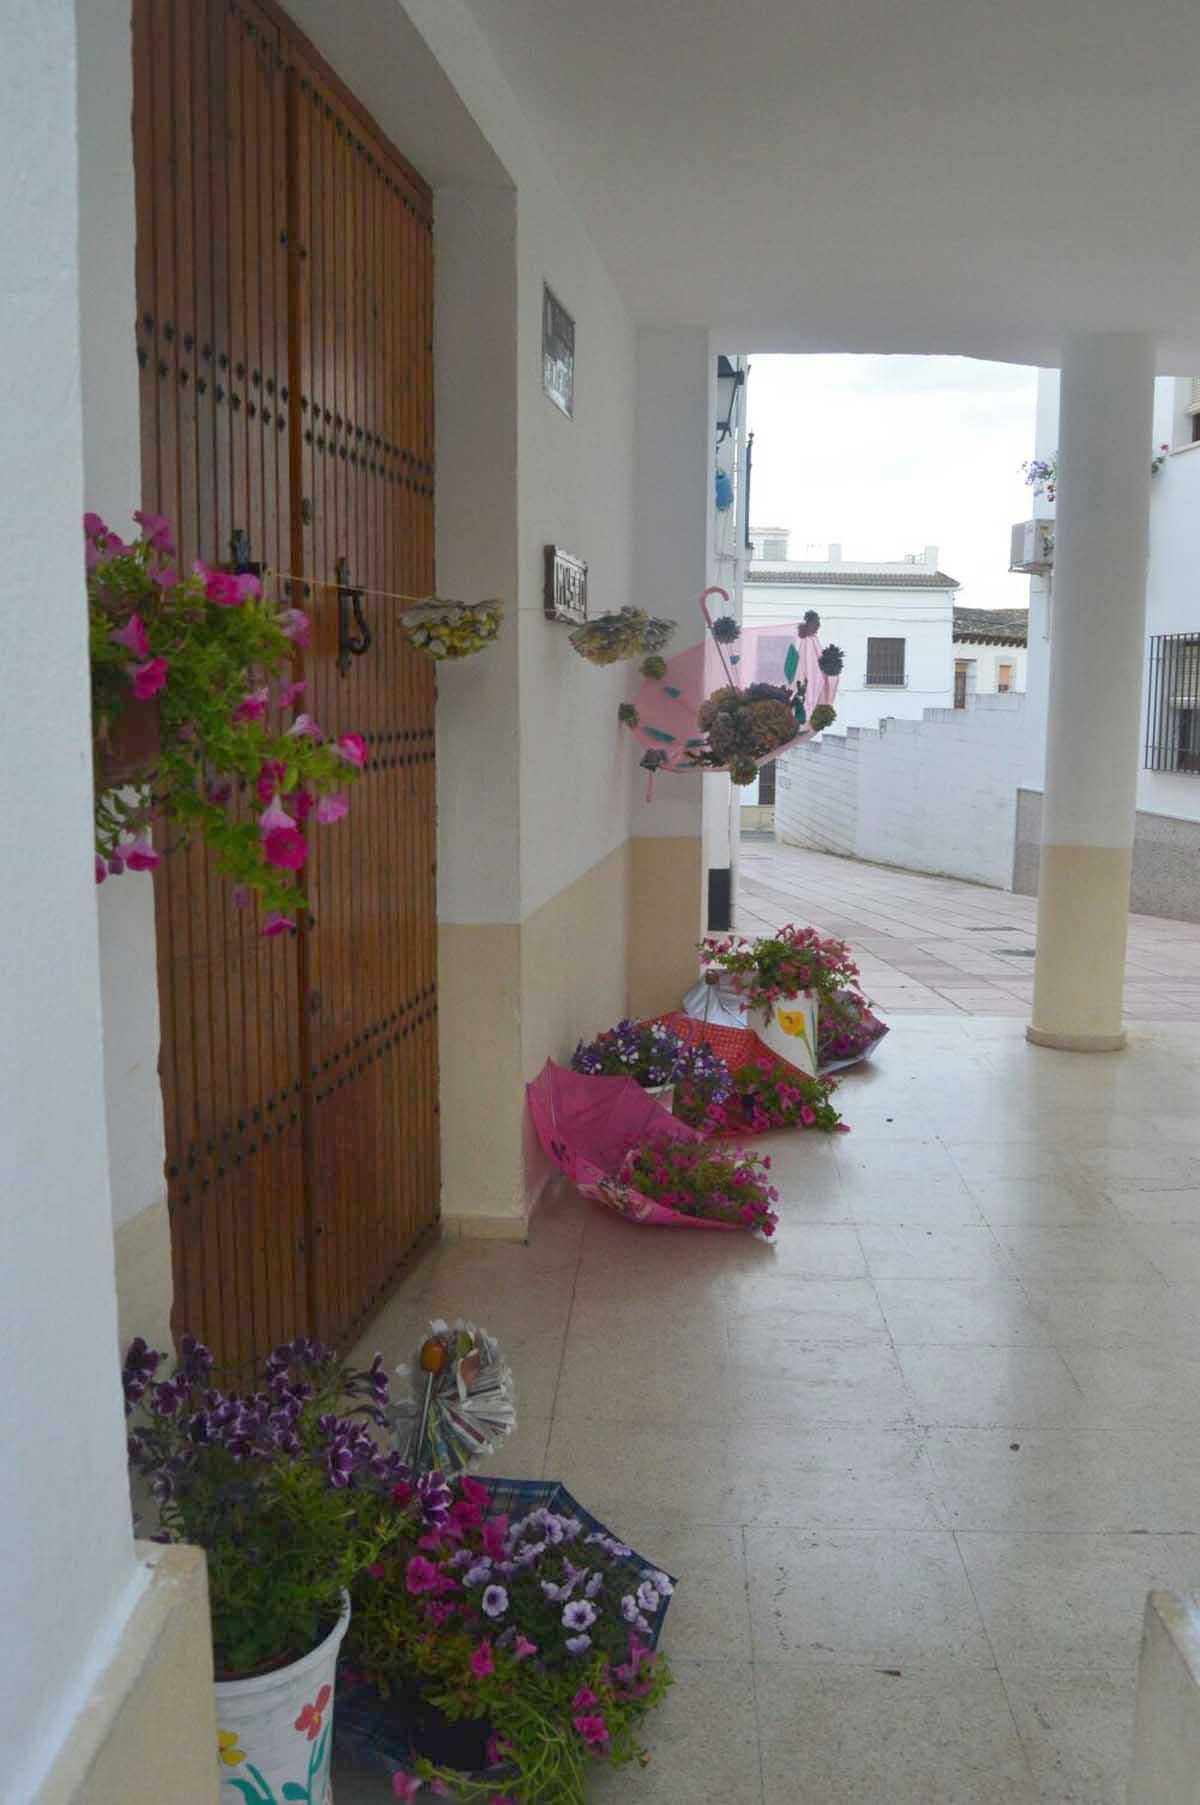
x=849, y=617
x=67, y=1579
x=934, y=795
x=112, y=487
x=987, y=660
x=1171, y=604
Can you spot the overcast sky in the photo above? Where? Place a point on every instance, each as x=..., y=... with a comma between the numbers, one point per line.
x=890, y=454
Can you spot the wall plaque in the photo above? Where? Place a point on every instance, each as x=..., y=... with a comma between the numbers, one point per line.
x=566, y=587
x=558, y=352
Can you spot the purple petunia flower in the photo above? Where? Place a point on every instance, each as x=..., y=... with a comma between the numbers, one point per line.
x=494, y=1601
x=479, y=1573
x=578, y=1645
x=647, y=1596
x=578, y=1616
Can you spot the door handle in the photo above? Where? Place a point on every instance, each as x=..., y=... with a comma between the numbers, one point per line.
x=354, y=635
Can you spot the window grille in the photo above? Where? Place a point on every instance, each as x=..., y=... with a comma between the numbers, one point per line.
x=1173, y=703
x=885, y=662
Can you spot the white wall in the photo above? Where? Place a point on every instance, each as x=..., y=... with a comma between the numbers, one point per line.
x=849, y=617
x=935, y=795
x=112, y=487
x=67, y=1578
x=987, y=660
x=1171, y=602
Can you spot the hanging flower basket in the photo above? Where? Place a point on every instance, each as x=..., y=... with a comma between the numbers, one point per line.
x=631, y=633
x=452, y=629
x=744, y=729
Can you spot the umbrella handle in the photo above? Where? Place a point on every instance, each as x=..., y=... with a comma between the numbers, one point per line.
x=424, y=1424
x=715, y=589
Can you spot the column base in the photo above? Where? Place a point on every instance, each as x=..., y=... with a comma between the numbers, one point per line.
x=1076, y=1043
x=1079, y=977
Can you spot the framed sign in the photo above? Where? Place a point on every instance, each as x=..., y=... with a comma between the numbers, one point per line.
x=558, y=352
x=566, y=587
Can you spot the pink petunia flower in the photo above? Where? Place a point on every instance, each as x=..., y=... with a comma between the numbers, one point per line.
x=156, y=530
x=274, y=816
x=304, y=727
x=593, y=1730
x=285, y=848
x=133, y=636
x=289, y=694
x=148, y=679
x=166, y=576
x=483, y=1661
x=139, y=855
x=269, y=775
x=295, y=625
x=101, y=869
x=303, y=801
x=421, y=1576
x=406, y=1786
x=523, y=1648
x=275, y=923
x=94, y=527
x=351, y=748
x=332, y=808
x=253, y=706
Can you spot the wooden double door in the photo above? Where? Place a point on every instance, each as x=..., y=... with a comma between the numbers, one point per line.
x=284, y=279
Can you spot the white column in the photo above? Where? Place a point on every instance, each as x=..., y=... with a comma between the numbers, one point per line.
x=672, y=511
x=1096, y=656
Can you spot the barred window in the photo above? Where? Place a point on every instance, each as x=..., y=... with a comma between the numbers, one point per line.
x=1173, y=703
x=885, y=662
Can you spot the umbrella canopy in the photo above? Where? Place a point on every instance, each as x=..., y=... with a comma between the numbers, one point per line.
x=587, y=1126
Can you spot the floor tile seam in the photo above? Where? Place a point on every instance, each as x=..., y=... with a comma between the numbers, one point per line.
x=759, y=1738
x=1026, y=1753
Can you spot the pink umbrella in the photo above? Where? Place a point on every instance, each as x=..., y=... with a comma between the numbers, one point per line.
x=587, y=1125
x=668, y=707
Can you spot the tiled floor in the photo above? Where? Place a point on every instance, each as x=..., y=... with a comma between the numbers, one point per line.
x=917, y=1463
x=940, y=946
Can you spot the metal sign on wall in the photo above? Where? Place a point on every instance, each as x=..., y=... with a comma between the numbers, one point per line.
x=566, y=587
x=558, y=352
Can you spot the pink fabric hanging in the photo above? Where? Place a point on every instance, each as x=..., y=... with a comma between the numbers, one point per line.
x=587, y=1125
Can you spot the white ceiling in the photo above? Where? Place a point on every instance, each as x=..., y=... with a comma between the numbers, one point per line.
x=981, y=176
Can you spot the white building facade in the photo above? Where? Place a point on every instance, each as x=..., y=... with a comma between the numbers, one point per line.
x=1167, y=678
x=893, y=622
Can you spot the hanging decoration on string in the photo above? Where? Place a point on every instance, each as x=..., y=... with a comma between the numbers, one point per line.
x=736, y=700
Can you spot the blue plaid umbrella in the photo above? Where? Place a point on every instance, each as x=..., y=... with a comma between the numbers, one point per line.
x=375, y=1732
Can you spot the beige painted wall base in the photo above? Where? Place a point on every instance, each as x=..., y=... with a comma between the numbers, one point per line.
x=145, y=1286
x=485, y=1228
x=665, y=890
x=149, y=1730
x=1079, y=976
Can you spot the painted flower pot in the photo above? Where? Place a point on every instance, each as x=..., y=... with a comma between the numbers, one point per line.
x=275, y=1730
x=789, y=1029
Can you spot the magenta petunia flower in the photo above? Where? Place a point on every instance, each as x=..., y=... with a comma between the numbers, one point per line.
x=156, y=530
x=133, y=636
x=483, y=1661
x=275, y=923
x=523, y=1648
x=421, y=1576
x=101, y=869
x=148, y=679
x=252, y=707
x=351, y=748
x=139, y=855
x=295, y=626
x=593, y=1730
x=289, y=694
x=406, y=1786
x=94, y=527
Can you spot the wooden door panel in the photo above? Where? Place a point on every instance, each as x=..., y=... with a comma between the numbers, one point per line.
x=284, y=295
x=365, y=272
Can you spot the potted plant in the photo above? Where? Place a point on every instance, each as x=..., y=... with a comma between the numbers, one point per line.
x=767, y=1094
x=700, y=1181
x=647, y=1052
x=782, y=979
x=505, y=1654
x=451, y=629
x=702, y=1081
x=743, y=727
x=280, y=1487
x=629, y=633
x=188, y=675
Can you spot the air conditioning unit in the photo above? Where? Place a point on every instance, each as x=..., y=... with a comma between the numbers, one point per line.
x=1032, y=551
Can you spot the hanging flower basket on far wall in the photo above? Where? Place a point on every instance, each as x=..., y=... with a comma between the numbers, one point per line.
x=452, y=629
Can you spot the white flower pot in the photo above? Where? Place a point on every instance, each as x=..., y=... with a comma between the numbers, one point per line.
x=789, y=1029
x=662, y=1093
x=275, y=1732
